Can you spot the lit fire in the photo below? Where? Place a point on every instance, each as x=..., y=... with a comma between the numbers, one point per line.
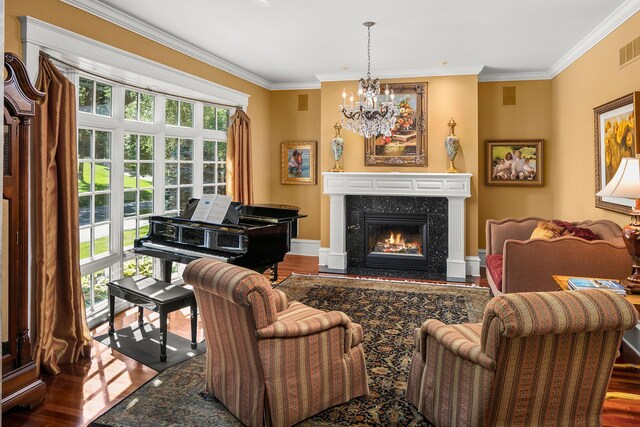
x=395, y=243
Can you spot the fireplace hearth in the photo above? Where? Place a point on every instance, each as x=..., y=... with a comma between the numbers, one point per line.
x=396, y=241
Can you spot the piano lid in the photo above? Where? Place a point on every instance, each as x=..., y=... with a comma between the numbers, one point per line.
x=282, y=212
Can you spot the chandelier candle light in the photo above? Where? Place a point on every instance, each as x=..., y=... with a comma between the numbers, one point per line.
x=367, y=116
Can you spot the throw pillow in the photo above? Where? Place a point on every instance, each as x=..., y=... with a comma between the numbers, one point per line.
x=547, y=230
x=581, y=232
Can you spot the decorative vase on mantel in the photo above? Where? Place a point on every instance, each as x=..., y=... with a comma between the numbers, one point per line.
x=337, y=148
x=452, y=144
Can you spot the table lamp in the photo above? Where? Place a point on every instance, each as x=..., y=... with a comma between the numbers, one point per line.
x=626, y=184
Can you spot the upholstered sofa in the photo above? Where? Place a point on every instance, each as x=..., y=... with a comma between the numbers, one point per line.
x=521, y=367
x=271, y=361
x=516, y=263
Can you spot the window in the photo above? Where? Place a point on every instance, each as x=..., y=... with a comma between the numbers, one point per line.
x=138, y=186
x=122, y=134
x=214, y=168
x=94, y=97
x=94, y=288
x=179, y=113
x=216, y=118
x=178, y=173
x=139, y=106
x=94, y=192
x=139, y=154
x=107, y=111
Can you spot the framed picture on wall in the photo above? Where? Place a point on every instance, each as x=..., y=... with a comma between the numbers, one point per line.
x=407, y=145
x=616, y=136
x=516, y=162
x=298, y=162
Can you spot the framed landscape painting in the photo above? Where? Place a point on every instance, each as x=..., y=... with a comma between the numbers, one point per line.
x=298, y=162
x=616, y=136
x=514, y=162
x=407, y=145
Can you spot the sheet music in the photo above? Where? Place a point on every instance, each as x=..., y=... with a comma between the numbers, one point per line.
x=204, y=207
x=212, y=208
x=219, y=208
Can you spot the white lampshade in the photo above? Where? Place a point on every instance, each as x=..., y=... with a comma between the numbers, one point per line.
x=626, y=182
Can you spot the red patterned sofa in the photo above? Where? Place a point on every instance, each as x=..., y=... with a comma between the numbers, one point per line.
x=516, y=263
x=271, y=361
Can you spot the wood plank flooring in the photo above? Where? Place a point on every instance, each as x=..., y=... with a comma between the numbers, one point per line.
x=85, y=390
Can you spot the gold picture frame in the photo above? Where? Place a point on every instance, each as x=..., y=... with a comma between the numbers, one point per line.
x=407, y=146
x=616, y=135
x=298, y=162
x=515, y=162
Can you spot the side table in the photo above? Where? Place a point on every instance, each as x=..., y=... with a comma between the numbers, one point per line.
x=155, y=295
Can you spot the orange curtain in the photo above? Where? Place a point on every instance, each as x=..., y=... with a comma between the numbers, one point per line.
x=62, y=334
x=239, y=181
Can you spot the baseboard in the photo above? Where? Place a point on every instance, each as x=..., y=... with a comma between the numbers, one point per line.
x=473, y=265
x=482, y=253
x=305, y=247
x=323, y=256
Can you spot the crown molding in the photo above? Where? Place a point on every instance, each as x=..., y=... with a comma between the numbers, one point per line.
x=295, y=86
x=409, y=73
x=512, y=77
x=152, y=33
x=625, y=11
x=618, y=17
x=104, y=59
x=613, y=21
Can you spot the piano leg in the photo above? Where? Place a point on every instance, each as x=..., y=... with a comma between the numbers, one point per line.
x=163, y=334
x=166, y=267
x=194, y=325
x=112, y=311
x=274, y=274
x=140, y=315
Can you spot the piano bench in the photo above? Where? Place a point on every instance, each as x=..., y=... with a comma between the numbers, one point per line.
x=155, y=295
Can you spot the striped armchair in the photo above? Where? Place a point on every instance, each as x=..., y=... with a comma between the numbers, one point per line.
x=271, y=361
x=539, y=358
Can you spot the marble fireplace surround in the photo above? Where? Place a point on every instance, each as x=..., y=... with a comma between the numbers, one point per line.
x=455, y=187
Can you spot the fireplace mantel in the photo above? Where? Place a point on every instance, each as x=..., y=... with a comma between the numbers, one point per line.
x=455, y=187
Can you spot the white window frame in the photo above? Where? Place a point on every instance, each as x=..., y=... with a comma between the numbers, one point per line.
x=134, y=70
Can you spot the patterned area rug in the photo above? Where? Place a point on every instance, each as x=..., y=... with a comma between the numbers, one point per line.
x=388, y=312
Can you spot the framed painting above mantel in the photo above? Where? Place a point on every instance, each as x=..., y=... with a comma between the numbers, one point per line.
x=407, y=145
x=616, y=136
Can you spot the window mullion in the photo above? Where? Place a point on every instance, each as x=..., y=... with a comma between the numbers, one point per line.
x=198, y=124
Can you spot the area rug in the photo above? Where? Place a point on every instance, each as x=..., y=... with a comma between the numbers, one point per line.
x=143, y=345
x=388, y=312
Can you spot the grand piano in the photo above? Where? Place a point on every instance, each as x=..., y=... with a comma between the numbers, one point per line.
x=251, y=236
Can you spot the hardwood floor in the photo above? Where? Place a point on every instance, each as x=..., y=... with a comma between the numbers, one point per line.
x=85, y=390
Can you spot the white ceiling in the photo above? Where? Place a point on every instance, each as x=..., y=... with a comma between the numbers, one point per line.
x=302, y=41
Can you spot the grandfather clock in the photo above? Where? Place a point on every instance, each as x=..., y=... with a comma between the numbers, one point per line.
x=21, y=384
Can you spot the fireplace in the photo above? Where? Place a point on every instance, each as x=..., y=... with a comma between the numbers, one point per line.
x=442, y=197
x=397, y=236
x=396, y=241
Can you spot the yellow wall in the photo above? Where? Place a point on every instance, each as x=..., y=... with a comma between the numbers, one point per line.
x=455, y=96
x=530, y=118
x=289, y=124
x=77, y=21
x=560, y=111
x=594, y=79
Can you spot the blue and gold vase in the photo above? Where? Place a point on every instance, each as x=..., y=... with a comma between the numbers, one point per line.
x=337, y=149
x=452, y=144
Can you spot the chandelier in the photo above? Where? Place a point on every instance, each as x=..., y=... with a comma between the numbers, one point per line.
x=367, y=116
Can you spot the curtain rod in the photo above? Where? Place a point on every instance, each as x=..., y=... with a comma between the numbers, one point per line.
x=145, y=88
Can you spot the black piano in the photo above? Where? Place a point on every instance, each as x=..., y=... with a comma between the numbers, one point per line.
x=254, y=236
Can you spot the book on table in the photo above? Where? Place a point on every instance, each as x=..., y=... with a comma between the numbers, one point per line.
x=582, y=283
